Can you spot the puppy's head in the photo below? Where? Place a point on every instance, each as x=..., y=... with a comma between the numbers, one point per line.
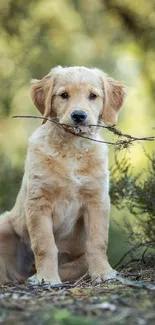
x=78, y=97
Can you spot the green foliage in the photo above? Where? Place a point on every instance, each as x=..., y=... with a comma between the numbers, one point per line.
x=137, y=194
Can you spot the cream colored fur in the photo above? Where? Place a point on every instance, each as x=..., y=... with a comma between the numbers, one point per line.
x=58, y=227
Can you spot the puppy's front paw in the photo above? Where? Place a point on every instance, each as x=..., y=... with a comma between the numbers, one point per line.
x=109, y=276
x=36, y=279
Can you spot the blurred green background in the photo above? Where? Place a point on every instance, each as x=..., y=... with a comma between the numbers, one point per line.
x=116, y=36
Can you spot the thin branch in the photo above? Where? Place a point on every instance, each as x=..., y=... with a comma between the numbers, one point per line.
x=68, y=128
x=119, y=133
x=147, y=244
x=126, y=254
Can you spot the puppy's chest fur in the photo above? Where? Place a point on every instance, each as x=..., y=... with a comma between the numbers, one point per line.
x=75, y=177
x=68, y=177
x=76, y=170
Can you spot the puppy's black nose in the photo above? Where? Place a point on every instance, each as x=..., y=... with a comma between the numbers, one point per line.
x=78, y=116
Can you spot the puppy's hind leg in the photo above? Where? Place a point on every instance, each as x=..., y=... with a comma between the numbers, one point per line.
x=73, y=270
x=15, y=261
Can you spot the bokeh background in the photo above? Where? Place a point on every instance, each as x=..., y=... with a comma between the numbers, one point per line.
x=114, y=35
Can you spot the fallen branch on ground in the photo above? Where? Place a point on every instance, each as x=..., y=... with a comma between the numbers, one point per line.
x=136, y=284
x=120, y=144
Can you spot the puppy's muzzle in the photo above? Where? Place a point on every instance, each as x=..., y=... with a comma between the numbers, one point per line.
x=78, y=116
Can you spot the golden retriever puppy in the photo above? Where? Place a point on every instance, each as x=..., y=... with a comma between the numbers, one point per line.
x=58, y=227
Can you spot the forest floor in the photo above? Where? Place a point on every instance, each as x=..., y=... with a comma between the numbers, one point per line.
x=128, y=301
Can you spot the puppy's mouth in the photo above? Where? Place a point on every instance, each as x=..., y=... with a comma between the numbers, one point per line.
x=80, y=129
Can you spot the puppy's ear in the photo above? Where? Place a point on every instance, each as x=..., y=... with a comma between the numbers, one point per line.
x=41, y=94
x=114, y=95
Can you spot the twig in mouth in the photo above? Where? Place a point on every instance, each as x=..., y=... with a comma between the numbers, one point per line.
x=120, y=144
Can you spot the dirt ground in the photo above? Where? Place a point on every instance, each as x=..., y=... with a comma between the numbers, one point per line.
x=130, y=300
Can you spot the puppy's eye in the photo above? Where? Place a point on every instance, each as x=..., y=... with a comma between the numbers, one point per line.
x=92, y=96
x=64, y=95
